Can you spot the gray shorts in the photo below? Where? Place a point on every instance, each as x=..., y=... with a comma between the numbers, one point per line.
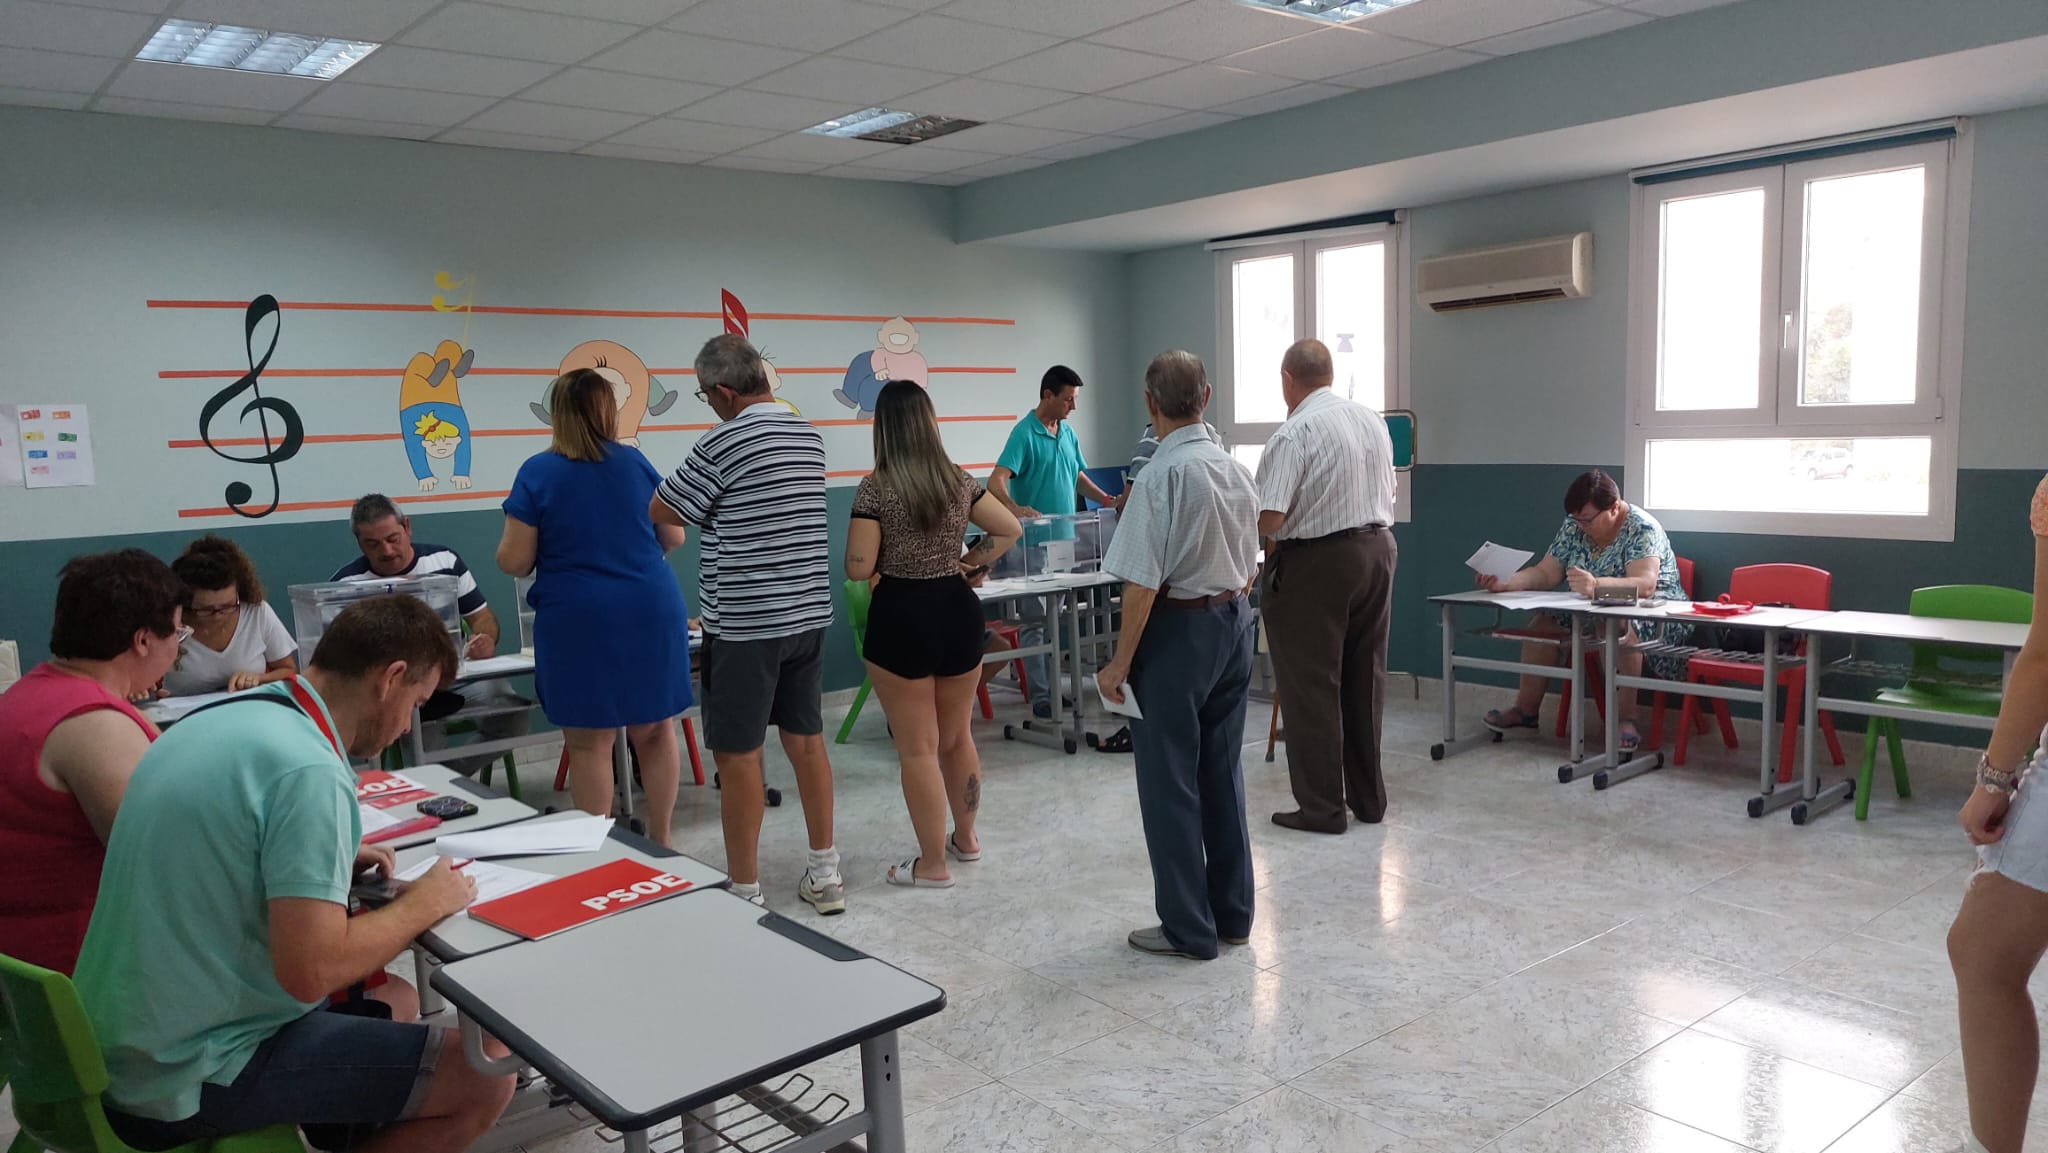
x=750, y=685
x=325, y=1070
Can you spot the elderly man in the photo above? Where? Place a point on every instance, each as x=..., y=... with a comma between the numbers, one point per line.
x=1326, y=501
x=1184, y=551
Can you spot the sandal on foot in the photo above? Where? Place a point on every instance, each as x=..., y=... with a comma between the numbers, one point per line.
x=1629, y=741
x=954, y=851
x=1117, y=742
x=1498, y=719
x=904, y=873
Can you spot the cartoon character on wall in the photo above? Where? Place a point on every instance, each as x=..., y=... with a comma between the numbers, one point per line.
x=638, y=392
x=736, y=324
x=894, y=357
x=431, y=420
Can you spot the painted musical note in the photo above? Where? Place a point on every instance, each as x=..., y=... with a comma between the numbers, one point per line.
x=447, y=282
x=275, y=450
x=736, y=324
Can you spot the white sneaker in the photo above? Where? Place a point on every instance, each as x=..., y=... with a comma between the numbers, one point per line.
x=828, y=896
x=753, y=895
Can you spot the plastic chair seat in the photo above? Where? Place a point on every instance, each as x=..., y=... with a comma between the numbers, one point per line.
x=1957, y=699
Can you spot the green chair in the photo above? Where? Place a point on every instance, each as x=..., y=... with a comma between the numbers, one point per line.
x=858, y=594
x=50, y=1057
x=1924, y=688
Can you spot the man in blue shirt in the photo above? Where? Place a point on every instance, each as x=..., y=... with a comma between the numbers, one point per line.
x=1040, y=473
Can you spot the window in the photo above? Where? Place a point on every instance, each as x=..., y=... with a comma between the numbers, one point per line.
x=1342, y=288
x=1794, y=342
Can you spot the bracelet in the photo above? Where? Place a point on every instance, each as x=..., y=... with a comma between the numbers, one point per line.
x=1996, y=780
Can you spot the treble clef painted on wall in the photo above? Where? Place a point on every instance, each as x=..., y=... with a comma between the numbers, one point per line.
x=274, y=453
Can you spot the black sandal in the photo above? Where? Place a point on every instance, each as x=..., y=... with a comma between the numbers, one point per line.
x=1117, y=742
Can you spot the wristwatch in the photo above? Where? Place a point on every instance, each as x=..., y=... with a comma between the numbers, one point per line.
x=1995, y=780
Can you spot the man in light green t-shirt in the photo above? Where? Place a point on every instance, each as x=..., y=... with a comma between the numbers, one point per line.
x=222, y=923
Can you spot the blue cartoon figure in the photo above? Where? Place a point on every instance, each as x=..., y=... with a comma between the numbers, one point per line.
x=894, y=357
x=430, y=416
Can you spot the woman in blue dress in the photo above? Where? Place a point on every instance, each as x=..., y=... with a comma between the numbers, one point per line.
x=611, y=633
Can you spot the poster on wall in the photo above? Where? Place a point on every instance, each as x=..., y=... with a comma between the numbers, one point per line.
x=56, y=445
x=10, y=449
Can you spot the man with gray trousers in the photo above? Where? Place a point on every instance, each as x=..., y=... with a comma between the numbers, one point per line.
x=1184, y=550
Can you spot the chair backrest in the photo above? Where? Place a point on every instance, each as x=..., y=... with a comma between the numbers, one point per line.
x=1685, y=577
x=1798, y=585
x=1966, y=603
x=858, y=596
x=52, y=1061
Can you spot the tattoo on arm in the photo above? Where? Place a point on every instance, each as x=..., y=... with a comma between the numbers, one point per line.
x=974, y=793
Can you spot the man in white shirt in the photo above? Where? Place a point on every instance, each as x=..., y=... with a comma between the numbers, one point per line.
x=1184, y=550
x=1326, y=501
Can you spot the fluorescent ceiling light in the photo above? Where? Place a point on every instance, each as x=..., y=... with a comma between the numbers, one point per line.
x=204, y=45
x=887, y=126
x=1334, y=11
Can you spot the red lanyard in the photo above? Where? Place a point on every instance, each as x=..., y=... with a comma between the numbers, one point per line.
x=311, y=708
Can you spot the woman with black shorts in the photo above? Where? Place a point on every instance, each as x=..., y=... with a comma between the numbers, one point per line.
x=923, y=644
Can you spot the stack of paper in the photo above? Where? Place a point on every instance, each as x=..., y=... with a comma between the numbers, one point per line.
x=375, y=820
x=492, y=881
x=529, y=839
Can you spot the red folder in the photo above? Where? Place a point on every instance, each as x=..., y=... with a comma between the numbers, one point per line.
x=393, y=832
x=579, y=898
x=382, y=790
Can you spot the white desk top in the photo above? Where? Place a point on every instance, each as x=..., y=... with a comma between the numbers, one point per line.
x=167, y=710
x=1518, y=601
x=492, y=807
x=1936, y=630
x=634, y=1055
x=459, y=937
x=1039, y=586
x=1763, y=618
x=502, y=665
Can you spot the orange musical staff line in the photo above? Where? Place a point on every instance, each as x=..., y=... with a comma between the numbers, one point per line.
x=608, y=313
x=381, y=373
x=368, y=437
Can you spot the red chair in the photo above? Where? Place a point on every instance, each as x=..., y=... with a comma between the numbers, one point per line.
x=1802, y=587
x=1009, y=633
x=689, y=744
x=1593, y=679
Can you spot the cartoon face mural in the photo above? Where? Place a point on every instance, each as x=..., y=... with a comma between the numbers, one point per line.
x=431, y=419
x=640, y=394
x=894, y=357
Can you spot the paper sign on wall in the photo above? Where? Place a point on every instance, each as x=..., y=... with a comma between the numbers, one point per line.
x=56, y=445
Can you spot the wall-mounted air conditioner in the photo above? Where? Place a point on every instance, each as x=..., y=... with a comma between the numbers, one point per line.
x=1555, y=268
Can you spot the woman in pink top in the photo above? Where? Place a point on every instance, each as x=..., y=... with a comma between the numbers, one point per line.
x=69, y=741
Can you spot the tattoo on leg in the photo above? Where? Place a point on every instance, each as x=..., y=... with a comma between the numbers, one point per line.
x=974, y=793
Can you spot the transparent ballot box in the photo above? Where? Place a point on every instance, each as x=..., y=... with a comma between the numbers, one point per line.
x=315, y=605
x=522, y=587
x=1056, y=546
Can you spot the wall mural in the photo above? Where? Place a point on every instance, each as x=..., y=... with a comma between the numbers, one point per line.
x=293, y=434
x=430, y=415
x=894, y=357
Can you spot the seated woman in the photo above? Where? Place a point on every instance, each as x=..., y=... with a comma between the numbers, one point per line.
x=237, y=642
x=1604, y=543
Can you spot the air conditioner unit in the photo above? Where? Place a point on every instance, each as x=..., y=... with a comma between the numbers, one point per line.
x=1555, y=268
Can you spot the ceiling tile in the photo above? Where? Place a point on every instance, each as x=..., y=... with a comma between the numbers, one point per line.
x=526, y=118
x=1285, y=98
x=617, y=91
x=758, y=164
x=691, y=136
x=1058, y=17
x=635, y=152
x=37, y=98
x=862, y=172
x=181, y=110
x=1079, y=66
x=944, y=44
x=914, y=5
x=370, y=102
x=477, y=138
x=810, y=25
x=397, y=66
x=55, y=71
x=1326, y=53
x=356, y=20
x=1002, y=139
x=1094, y=114
x=522, y=35
x=698, y=59
x=62, y=28
x=804, y=148
x=1412, y=68
x=1674, y=7
x=1201, y=86
x=642, y=12
x=1175, y=125
x=1559, y=32
x=751, y=109
x=150, y=6
x=977, y=99
x=219, y=87
x=1086, y=146
x=355, y=127
x=1454, y=22
x=1203, y=30
x=922, y=158
x=857, y=83
x=1003, y=167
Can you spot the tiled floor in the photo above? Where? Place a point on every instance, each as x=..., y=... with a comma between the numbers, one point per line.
x=1507, y=964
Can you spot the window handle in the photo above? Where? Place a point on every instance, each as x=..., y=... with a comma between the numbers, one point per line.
x=1788, y=335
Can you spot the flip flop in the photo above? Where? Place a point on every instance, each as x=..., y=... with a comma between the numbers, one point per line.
x=953, y=850
x=1117, y=742
x=904, y=873
x=1497, y=720
x=1630, y=739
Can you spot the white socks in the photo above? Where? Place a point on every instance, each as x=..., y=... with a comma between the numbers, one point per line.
x=823, y=863
x=750, y=891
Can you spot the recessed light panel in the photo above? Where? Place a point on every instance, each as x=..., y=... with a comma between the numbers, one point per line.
x=888, y=126
x=1334, y=11
x=204, y=45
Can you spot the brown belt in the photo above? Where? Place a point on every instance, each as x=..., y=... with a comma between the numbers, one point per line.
x=1222, y=598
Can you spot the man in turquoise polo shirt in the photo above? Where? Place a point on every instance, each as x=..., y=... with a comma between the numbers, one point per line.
x=1040, y=473
x=222, y=925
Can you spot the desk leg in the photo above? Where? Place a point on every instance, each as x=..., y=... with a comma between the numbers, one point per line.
x=1052, y=733
x=422, y=974
x=1642, y=761
x=1568, y=773
x=1074, y=632
x=1769, y=796
x=1578, y=691
x=636, y=1140
x=1814, y=799
x=881, y=1080
x=1452, y=742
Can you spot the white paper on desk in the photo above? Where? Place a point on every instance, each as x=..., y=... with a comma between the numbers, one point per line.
x=1497, y=561
x=492, y=880
x=172, y=708
x=1128, y=707
x=485, y=666
x=529, y=839
x=375, y=820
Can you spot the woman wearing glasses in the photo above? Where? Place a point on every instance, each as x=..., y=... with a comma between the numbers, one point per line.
x=1605, y=543
x=237, y=642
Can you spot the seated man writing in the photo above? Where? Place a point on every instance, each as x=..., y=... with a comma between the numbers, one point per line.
x=222, y=923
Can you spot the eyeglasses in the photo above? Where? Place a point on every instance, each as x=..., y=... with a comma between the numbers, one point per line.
x=183, y=634
x=217, y=610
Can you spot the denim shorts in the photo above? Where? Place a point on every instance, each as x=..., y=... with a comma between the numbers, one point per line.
x=2022, y=854
x=325, y=1070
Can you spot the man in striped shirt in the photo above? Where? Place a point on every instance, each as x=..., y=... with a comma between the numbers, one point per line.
x=755, y=486
x=1326, y=501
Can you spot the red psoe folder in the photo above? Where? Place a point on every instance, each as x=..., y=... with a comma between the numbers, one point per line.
x=579, y=898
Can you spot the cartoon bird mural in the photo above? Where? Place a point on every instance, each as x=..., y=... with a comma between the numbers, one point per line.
x=736, y=325
x=894, y=357
x=431, y=420
x=639, y=393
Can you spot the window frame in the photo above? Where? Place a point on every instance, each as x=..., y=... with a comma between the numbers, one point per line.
x=1778, y=415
